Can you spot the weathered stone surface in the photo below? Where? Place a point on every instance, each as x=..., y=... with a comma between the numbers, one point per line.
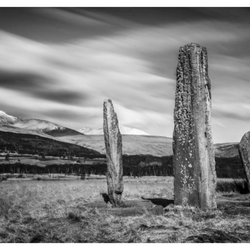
x=244, y=148
x=113, y=144
x=193, y=158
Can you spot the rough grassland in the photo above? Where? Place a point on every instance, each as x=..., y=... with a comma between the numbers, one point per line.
x=73, y=211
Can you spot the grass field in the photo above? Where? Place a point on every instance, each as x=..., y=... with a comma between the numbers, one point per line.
x=73, y=211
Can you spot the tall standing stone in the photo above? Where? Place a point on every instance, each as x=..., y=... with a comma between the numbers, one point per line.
x=244, y=148
x=113, y=144
x=193, y=153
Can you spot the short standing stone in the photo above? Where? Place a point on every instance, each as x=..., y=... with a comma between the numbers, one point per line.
x=244, y=148
x=113, y=144
x=193, y=158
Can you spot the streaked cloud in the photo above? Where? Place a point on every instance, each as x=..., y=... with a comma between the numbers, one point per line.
x=83, y=56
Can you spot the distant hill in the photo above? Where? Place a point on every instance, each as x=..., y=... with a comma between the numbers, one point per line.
x=135, y=141
x=146, y=145
x=29, y=143
x=227, y=150
x=131, y=144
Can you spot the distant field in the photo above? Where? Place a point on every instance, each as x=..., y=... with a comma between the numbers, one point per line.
x=37, y=162
x=131, y=144
x=73, y=211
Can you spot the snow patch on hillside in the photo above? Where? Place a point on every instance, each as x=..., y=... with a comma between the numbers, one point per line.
x=36, y=124
x=123, y=129
x=7, y=119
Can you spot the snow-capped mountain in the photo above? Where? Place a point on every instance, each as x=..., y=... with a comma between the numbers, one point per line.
x=123, y=129
x=35, y=125
x=6, y=119
x=132, y=131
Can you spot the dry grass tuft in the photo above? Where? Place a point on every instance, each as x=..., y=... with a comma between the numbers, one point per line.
x=232, y=185
x=214, y=236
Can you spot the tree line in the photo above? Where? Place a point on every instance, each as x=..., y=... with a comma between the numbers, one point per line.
x=133, y=165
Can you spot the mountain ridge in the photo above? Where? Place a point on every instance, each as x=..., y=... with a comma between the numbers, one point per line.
x=54, y=129
x=34, y=124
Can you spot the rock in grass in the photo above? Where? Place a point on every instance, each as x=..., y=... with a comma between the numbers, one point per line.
x=4, y=207
x=113, y=144
x=244, y=148
x=193, y=153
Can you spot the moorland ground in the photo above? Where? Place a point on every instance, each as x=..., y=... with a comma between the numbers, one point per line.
x=72, y=210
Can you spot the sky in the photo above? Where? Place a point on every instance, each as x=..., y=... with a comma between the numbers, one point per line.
x=60, y=64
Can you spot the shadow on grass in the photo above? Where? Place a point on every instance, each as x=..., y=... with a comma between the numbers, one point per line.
x=131, y=208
